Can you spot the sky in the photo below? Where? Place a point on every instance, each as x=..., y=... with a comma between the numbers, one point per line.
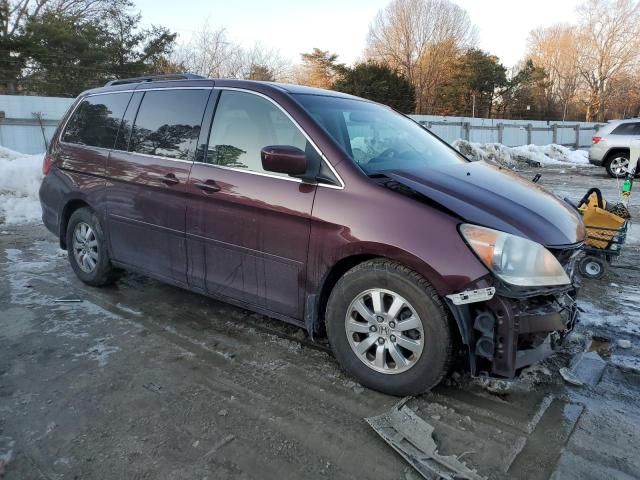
x=295, y=26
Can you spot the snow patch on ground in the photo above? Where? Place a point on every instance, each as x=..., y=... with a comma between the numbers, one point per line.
x=532, y=155
x=7, y=445
x=633, y=234
x=20, y=177
x=621, y=323
x=626, y=362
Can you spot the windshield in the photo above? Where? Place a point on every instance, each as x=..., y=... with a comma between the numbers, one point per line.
x=376, y=137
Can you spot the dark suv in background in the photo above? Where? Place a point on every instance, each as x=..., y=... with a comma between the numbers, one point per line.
x=325, y=210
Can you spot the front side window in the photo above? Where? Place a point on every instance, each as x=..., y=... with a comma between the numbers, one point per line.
x=243, y=125
x=96, y=121
x=627, y=129
x=168, y=123
x=377, y=138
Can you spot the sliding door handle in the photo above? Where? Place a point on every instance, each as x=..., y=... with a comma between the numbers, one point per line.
x=168, y=179
x=208, y=186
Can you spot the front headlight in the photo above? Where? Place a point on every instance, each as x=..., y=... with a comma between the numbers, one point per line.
x=514, y=259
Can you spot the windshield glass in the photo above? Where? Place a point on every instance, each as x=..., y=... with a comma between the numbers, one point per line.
x=376, y=137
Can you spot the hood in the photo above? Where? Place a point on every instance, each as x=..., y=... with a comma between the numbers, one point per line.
x=493, y=197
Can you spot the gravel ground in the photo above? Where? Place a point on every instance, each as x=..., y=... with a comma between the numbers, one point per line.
x=146, y=381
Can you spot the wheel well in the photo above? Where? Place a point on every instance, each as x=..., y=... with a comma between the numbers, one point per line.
x=336, y=272
x=68, y=210
x=342, y=267
x=615, y=151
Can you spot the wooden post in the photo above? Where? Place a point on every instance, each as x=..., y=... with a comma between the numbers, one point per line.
x=466, y=127
x=577, y=129
x=554, y=133
x=529, y=134
x=500, y=132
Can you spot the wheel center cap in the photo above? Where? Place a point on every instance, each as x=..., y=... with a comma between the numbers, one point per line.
x=384, y=330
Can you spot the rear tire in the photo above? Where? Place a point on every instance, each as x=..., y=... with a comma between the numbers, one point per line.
x=87, y=248
x=411, y=328
x=616, y=162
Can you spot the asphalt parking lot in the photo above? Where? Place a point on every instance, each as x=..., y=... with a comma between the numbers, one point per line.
x=146, y=381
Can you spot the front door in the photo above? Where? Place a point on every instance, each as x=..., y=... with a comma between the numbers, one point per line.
x=148, y=176
x=247, y=229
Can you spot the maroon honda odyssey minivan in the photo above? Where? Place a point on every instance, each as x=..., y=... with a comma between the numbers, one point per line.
x=325, y=210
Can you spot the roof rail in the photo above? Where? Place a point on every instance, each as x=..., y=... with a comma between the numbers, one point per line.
x=155, y=78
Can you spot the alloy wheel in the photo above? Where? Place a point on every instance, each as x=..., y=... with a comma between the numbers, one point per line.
x=619, y=165
x=384, y=331
x=85, y=247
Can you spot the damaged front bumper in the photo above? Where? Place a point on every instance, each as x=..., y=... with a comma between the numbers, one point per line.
x=506, y=329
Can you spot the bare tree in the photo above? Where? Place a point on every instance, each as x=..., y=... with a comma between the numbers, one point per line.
x=263, y=63
x=555, y=49
x=210, y=52
x=419, y=38
x=623, y=97
x=609, y=47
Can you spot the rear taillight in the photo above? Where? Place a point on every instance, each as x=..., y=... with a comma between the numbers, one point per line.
x=47, y=163
x=596, y=139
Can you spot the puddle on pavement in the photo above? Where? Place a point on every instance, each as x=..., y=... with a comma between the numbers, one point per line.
x=600, y=345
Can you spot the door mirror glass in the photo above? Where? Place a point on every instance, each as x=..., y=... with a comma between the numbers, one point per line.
x=284, y=159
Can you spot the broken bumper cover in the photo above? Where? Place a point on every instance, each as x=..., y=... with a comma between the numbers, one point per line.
x=504, y=334
x=515, y=327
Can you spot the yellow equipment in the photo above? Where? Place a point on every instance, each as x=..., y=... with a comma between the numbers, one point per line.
x=606, y=233
x=601, y=224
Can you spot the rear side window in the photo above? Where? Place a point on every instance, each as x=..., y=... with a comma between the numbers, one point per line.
x=243, y=125
x=96, y=120
x=168, y=123
x=627, y=129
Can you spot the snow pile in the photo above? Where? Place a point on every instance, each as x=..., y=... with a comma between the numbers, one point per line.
x=532, y=155
x=20, y=177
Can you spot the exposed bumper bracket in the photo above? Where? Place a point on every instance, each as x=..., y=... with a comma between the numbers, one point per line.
x=472, y=296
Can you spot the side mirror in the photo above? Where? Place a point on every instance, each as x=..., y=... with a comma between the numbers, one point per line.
x=284, y=159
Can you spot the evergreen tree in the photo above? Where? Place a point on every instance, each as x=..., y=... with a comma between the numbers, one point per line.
x=379, y=83
x=58, y=52
x=477, y=80
x=320, y=68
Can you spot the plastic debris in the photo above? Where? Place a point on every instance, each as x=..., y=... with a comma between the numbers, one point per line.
x=412, y=437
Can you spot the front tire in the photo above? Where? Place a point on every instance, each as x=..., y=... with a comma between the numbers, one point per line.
x=87, y=248
x=389, y=329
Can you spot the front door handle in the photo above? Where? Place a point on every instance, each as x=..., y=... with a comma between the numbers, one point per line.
x=168, y=179
x=208, y=186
